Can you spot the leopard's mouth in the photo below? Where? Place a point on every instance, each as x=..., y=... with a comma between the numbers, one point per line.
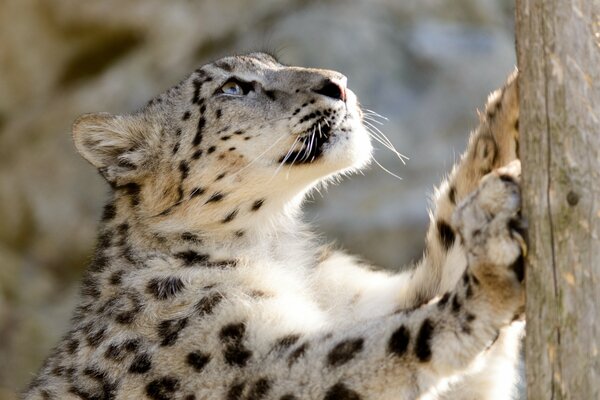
x=308, y=146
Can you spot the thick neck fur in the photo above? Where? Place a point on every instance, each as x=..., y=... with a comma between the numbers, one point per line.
x=266, y=230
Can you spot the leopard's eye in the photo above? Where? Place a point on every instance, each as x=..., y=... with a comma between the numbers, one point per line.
x=232, y=88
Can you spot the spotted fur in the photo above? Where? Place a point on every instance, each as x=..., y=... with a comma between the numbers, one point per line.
x=205, y=285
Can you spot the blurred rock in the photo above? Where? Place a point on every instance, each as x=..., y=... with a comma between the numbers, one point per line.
x=424, y=64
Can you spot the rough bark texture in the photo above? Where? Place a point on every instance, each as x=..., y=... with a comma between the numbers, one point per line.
x=558, y=51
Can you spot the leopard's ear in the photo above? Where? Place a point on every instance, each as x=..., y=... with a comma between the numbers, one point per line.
x=117, y=145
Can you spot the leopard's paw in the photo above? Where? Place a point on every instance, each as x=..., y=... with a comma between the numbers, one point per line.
x=492, y=228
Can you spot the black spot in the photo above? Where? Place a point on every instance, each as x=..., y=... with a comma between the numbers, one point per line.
x=517, y=128
x=572, y=198
x=270, y=94
x=297, y=353
x=218, y=113
x=199, y=129
x=235, y=353
x=238, y=132
x=231, y=149
x=104, y=240
x=235, y=391
x=141, y=364
x=344, y=351
x=90, y=286
x=179, y=194
x=132, y=190
x=446, y=233
x=456, y=304
x=119, y=351
x=163, y=388
x=225, y=138
x=96, y=337
x=220, y=176
x=286, y=341
x=230, y=217
x=233, y=332
x=259, y=390
x=452, y=195
x=72, y=346
x=164, y=288
x=466, y=328
x=215, y=197
x=197, y=154
x=191, y=257
x=169, y=330
x=257, y=204
x=109, y=212
x=465, y=278
x=239, y=234
x=197, y=360
x=176, y=148
x=507, y=178
x=197, y=192
x=469, y=291
x=339, y=391
x=197, y=87
x=288, y=396
x=191, y=237
x=207, y=304
x=186, y=116
x=399, y=341
x=58, y=370
x=123, y=232
x=184, y=168
x=211, y=149
x=423, y=345
x=519, y=268
x=224, y=65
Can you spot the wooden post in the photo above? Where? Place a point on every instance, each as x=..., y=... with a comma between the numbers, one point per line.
x=558, y=52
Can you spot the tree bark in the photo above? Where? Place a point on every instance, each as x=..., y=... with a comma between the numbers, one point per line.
x=558, y=52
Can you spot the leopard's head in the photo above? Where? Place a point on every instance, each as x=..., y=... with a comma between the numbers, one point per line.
x=239, y=135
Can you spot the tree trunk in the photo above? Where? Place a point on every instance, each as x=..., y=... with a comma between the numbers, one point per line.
x=558, y=52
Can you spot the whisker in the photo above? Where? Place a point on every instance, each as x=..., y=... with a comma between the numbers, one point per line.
x=385, y=141
x=259, y=156
x=289, y=153
x=370, y=118
x=309, y=145
x=401, y=157
x=386, y=170
x=287, y=175
x=381, y=134
x=376, y=114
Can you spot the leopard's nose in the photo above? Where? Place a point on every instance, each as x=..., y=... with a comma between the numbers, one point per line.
x=332, y=88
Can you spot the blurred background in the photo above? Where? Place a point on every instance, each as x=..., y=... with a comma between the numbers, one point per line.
x=427, y=65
